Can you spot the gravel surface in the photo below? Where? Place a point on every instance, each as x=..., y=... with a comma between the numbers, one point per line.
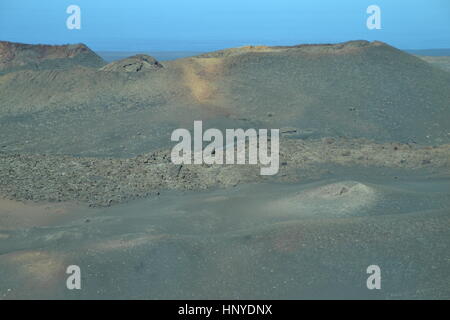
x=103, y=182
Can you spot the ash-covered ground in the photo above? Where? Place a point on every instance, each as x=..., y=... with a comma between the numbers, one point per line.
x=86, y=177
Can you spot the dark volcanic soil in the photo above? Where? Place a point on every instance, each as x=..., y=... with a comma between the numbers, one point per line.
x=356, y=89
x=259, y=241
x=102, y=182
x=86, y=177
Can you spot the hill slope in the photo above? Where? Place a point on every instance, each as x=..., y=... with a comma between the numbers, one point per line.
x=19, y=56
x=354, y=89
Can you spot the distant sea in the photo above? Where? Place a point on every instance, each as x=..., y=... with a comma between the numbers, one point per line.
x=430, y=52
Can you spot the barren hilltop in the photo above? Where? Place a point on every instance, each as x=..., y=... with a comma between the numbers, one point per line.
x=356, y=89
x=19, y=56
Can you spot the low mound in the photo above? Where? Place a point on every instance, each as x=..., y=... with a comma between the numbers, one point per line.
x=346, y=198
x=18, y=56
x=137, y=63
x=336, y=190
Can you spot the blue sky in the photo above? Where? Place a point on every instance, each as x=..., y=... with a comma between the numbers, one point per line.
x=202, y=25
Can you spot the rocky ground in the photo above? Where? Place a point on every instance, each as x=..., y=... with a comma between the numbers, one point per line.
x=103, y=182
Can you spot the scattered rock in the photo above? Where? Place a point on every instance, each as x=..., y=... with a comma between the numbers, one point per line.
x=137, y=63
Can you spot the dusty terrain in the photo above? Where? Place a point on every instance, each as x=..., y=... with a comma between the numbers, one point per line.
x=86, y=176
x=103, y=182
x=263, y=241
